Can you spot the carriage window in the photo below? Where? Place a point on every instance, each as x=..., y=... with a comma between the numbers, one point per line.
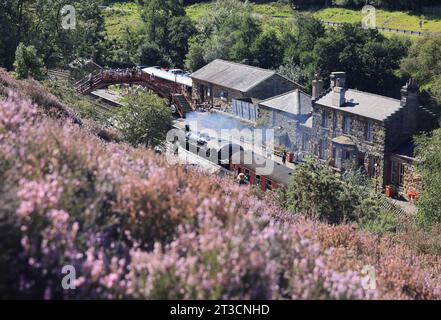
x=257, y=180
x=269, y=185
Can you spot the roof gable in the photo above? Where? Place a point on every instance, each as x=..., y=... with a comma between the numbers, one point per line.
x=294, y=102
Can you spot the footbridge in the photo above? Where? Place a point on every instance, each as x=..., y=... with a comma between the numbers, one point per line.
x=177, y=94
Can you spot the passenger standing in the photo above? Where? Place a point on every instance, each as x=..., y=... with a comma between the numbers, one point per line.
x=90, y=80
x=284, y=157
x=241, y=179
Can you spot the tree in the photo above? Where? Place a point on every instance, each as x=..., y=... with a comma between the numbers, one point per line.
x=227, y=31
x=8, y=40
x=368, y=58
x=168, y=27
x=429, y=167
x=195, y=57
x=244, y=37
x=144, y=119
x=181, y=29
x=424, y=64
x=28, y=63
x=267, y=49
x=150, y=54
x=318, y=193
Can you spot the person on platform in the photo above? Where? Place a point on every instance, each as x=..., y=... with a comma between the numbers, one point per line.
x=284, y=155
x=241, y=179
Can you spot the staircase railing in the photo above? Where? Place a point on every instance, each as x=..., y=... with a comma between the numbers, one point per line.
x=103, y=78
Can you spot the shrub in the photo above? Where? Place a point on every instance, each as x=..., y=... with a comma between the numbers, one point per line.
x=317, y=192
x=135, y=227
x=144, y=120
x=28, y=63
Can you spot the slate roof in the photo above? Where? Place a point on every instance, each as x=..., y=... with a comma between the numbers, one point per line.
x=232, y=75
x=295, y=102
x=365, y=104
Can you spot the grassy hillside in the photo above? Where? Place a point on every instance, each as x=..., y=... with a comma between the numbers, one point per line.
x=120, y=16
x=137, y=227
x=387, y=19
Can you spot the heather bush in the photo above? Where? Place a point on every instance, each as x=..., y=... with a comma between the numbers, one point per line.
x=135, y=227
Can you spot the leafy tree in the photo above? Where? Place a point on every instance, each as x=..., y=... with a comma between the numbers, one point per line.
x=180, y=31
x=244, y=37
x=8, y=40
x=228, y=31
x=317, y=192
x=28, y=63
x=302, y=4
x=424, y=64
x=368, y=58
x=301, y=40
x=144, y=119
x=150, y=54
x=435, y=90
x=195, y=57
x=429, y=167
x=267, y=49
x=168, y=27
x=38, y=23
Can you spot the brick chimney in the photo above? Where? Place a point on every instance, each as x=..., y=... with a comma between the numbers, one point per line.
x=338, y=85
x=410, y=104
x=409, y=94
x=338, y=79
x=317, y=86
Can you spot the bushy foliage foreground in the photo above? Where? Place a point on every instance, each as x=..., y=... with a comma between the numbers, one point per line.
x=135, y=227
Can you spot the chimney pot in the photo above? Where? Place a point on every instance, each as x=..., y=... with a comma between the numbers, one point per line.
x=338, y=97
x=317, y=86
x=338, y=79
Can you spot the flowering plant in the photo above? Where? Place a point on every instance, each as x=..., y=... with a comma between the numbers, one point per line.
x=135, y=227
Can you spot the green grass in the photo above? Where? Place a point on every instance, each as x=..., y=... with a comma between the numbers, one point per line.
x=121, y=16
x=196, y=11
x=387, y=19
x=127, y=15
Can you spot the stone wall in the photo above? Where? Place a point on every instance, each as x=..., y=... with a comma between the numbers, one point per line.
x=412, y=180
x=275, y=119
x=371, y=149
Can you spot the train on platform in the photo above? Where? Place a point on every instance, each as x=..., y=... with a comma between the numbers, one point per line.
x=235, y=160
x=173, y=75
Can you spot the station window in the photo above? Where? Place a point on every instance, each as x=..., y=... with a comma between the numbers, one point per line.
x=369, y=131
x=325, y=119
x=347, y=125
